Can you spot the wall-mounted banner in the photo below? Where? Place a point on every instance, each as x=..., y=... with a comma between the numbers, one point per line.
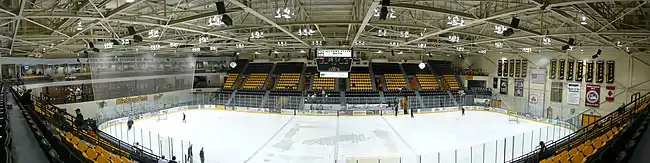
x=495, y=82
x=499, y=67
x=569, y=69
x=592, y=95
x=579, y=70
x=610, y=93
x=517, y=68
x=556, y=91
x=519, y=87
x=538, y=76
x=524, y=68
x=512, y=68
x=610, y=71
x=504, y=86
x=552, y=69
x=600, y=71
x=505, y=68
x=560, y=72
x=589, y=77
x=573, y=94
x=536, y=102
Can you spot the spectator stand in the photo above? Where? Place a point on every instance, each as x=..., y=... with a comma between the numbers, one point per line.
x=5, y=128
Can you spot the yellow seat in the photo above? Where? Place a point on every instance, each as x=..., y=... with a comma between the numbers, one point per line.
x=125, y=160
x=573, y=151
x=588, y=151
x=68, y=136
x=74, y=141
x=116, y=159
x=577, y=158
x=82, y=147
x=102, y=159
x=90, y=154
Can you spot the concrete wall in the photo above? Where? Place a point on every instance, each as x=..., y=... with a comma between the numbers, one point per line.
x=631, y=76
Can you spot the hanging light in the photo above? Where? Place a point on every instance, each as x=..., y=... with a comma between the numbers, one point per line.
x=422, y=65
x=381, y=33
x=79, y=27
x=108, y=45
x=421, y=45
x=454, y=38
x=527, y=50
x=583, y=20
x=618, y=43
x=196, y=49
x=154, y=46
x=257, y=35
x=173, y=44
x=282, y=43
x=460, y=49
x=404, y=34
x=546, y=41
x=498, y=44
x=213, y=48
x=499, y=29
x=215, y=20
x=482, y=51
x=317, y=43
x=154, y=33
x=455, y=21
x=394, y=43
x=203, y=39
x=284, y=13
x=239, y=46
x=305, y=32
x=360, y=43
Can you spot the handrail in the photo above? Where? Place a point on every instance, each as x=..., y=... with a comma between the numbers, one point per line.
x=614, y=119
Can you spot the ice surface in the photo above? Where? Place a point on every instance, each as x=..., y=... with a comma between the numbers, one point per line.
x=232, y=137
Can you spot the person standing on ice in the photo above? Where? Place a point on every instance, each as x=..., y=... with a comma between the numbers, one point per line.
x=189, y=154
x=462, y=109
x=129, y=123
x=184, y=118
x=412, y=116
x=202, y=155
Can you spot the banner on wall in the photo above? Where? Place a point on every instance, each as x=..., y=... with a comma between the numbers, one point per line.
x=552, y=69
x=512, y=68
x=504, y=86
x=495, y=82
x=560, y=72
x=610, y=93
x=579, y=70
x=610, y=71
x=537, y=76
x=600, y=71
x=589, y=77
x=519, y=87
x=573, y=93
x=505, y=68
x=524, y=68
x=517, y=68
x=499, y=67
x=592, y=95
x=569, y=69
x=556, y=91
x=536, y=101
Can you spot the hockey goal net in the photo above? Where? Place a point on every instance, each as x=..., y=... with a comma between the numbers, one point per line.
x=512, y=117
x=162, y=115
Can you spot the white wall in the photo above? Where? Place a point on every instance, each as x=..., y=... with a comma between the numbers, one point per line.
x=631, y=76
x=91, y=109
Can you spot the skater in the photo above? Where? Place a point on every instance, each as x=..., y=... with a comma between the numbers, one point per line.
x=173, y=160
x=201, y=155
x=412, y=114
x=129, y=123
x=462, y=109
x=189, y=154
x=184, y=118
x=396, y=108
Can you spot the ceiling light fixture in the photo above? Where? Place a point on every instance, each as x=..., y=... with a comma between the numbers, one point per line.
x=286, y=13
x=154, y=33
x=302, y=51
x=216, y=20
x=379, y=51
x=390, y=15
x=583, y=20
x=527, y=50
x=276, y=52
x=154, y=46
x=257, y=35
x=203, y=39
x=257, y=52
x=498, y=44
x=460, y=49
x=454, y=38
x=404, y=34
x=129, y=1
x=213, y=48
x=381, y=33
x=173, y=44
x=546, y=41
x=108, y=45
x=196, y=49
x=394, y=43
x=499, y=29
x=455, y=21
x=421, y=45
x=79, y=27
x=239, y=46
x=305, y=32
x=282, y=43
x=124, y=41
x=317, y=43
x=360, y=43
x=482, y=51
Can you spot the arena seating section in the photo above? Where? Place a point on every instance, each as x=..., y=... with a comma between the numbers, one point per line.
x=360, y=82
x=443, y=69
x=5, y=130
x=290, y=74
x=230, y=80
x=319, y=83
x=256, y=74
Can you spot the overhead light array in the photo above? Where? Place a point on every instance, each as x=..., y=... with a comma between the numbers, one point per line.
x=583, y=20
x=275, y=52
x=129, y=1
x=213, y=48
x=257, y=52
x=79, y=27
x=381, y=33
x=360, y=43
x=454, y=38
x=379, y=51
x=618, y=43
x=498, y=44
x=404, y=34
x=173, y=44
x=421, y=45
x=154, y=33
x=282, y=43
x=391, y=13
x=527, y=50
x=455, y=21
x=460, y=49
x=108, y=45
x=216, y=20
x=482, y=51
x=284, y=13
x=302, y=51
x=257, y=35
x=394, y=43
x=196, y=49
x=154, y=46
x=124, y=41
x=499, y=29
x=546, y=41
x=317, y=43
x=239, y=46
x=305, y=32
x=400, y=52
x=203, y=39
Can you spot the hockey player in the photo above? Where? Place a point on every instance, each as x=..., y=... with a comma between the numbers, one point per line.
x=462, y=109
x=412, y=116
x=202, y=155
x=189, y=154
x=129, y=123
x=184, y=118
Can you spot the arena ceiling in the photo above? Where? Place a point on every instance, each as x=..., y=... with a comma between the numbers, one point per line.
x=63, y=28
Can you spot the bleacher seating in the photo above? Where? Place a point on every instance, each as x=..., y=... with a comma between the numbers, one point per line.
x=230, y=80
x=427, y=82
x=288, y=81
x=319, y=83
x=5, y=130
x=395, y=82
x=360, y=82
x=451, y=81
x=255, y=81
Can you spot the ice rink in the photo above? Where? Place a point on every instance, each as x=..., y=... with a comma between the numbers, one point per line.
x=234, y=137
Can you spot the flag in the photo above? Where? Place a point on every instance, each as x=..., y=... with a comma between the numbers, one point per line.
x=610, y=93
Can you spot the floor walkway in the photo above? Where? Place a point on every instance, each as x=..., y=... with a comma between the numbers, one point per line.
x=640, y=154
x=25, y=147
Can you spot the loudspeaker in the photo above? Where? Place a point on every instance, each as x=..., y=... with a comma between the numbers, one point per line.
x=514, y=23
x=137, y=38
x=131, y=30
x=95, y=50
x=383, y=13
x=226, y=20
x=392, y=52
x=221, y=8
x=115, y=42
x=508, y=32
x=385, y=2
x=91, y=45
x=571, y=40
x=599, y=51
x=566, y=47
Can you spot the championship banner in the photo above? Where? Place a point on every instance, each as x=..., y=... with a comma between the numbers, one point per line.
x=499, y=67
x=610, y=93
x=517, y=68
x=536, y=101
x=573, y=94
x=556, y=91
x=505, y=68
x=589, y=77
x=519, y=87
x=579, y=70
x=600, y=71
x=524, y=68
x=561, y=69
x=512, y=68
x=504, y=86
x=538, y=76
x=553, y=69
x=495, y=82
x=569, y=67
x=592, y=97
x=610, y=71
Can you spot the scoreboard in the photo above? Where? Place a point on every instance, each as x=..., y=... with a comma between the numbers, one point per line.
x=334, y=63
